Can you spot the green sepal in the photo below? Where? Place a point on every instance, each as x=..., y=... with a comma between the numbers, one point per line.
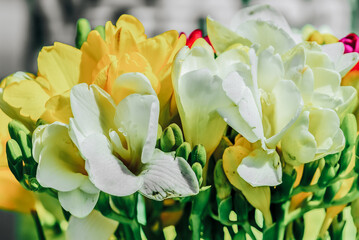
x=141, y=210
x=83, y=28
x=198, y=154
x=197, y=169
x=349, y=128
x=126, y=205
x=167, y=141
x=318, y=195
x=331, y=191
x=15, y=159
x=221, y=183
x=241, y=207
x=327, y=174
x=345, y=159
x=101, y=30
x=281, y=192
x=308, y=172
x=332, y=159
x=224, y=209
x=177, y=132
x=14, y=127
x=184, y=150
x=25, y=144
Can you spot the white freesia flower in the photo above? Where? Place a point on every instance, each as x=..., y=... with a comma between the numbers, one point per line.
x=264, y=106
x=317, y=73
x=118, y=144
x=260, y=26
x=197, y=81
x=62, y=168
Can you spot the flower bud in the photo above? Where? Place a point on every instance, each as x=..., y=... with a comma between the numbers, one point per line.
x=14, y=127
x=14, y=157
x=223, y=187
x=327, y=174
x=177, y=133
x=167, y=141
x=308, y=172
x=25, y=144
x=332, y=159
x=197, y=169
x=331, y=191
x=83, y=28
x=101, y=30
x=355, y=212
x=183, y=150
x=349, y=128
x=345, y=159
x=198, y=154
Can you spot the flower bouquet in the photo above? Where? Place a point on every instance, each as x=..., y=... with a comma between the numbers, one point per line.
x=238, y=135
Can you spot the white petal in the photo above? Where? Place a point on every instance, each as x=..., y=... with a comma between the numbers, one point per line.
x=266, y=34
x=261, y=168
x=298, y=144
x=130, y=83
x=288, y=105
x=137, y=118
x=78, y=202
x=93, y=227
x=106, y=171
x=168, y=177
x=93, y=109
x=222, y=37
x=270, y=69
x=346, y=63
x=264, y=13
x=60, y=165
x=234, y=119
x=198, y=96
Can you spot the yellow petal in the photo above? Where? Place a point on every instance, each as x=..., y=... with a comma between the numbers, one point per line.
x=4, y=137
x=59, y=64
x=13, y=196
x=27, y=96
x=132, y=24
x=58, y=108
x=258, y=197
x=93, y=50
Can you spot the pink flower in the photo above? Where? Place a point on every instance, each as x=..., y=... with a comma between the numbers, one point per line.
x=351, y=44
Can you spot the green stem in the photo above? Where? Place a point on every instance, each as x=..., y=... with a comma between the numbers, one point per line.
x=314, y=205
x=40, y=231
x=281, y=223
x=315, y=187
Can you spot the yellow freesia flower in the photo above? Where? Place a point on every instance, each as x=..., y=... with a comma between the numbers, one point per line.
x=126, y=49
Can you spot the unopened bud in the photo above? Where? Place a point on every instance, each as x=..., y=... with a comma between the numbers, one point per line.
x=198, y=154
x=14, y=157
x=345, y=159
x=349, y=128
x=332, y=159
x=223, y=187
x=327, y=174
x=25, y=144
x=224, y=209
x=83, y=28
x=14, y=127
x=308, y=172
x=167, y=141
x=197, y=169
x=331, y=191
x=101, y=30
x=183, y=150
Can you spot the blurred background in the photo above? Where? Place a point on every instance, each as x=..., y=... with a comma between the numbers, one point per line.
x=27, y=25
